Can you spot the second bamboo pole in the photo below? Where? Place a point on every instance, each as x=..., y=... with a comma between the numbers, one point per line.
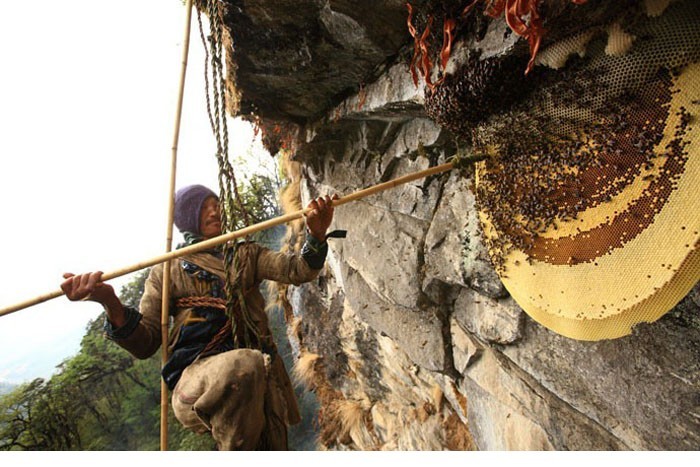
x=165, y=304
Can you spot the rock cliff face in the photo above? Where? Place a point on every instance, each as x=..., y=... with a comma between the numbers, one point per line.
x=419, y=345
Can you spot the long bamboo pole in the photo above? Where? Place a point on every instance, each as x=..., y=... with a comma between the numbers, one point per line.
x=165, y=302
x=212, y=242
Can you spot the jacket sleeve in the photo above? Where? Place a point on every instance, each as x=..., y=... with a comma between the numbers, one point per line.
x=141, y=334
x=289, y=268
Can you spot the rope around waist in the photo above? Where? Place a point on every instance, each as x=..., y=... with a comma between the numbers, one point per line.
x=201, y=301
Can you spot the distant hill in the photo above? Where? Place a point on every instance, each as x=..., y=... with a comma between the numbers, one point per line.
x=6, y=387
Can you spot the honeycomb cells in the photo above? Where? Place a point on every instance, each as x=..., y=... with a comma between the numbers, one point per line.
x=588, y=200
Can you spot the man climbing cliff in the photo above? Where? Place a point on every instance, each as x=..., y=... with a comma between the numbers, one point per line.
x=221, y=382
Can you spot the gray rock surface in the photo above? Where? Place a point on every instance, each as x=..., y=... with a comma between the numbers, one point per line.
x=418, y=332
x=411, y=320
x=454, y=249
x=625, y=383
x=294, y=58
x=322, y=315
x=497, y=321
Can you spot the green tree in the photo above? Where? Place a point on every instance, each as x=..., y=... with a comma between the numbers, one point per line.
x=102, y=398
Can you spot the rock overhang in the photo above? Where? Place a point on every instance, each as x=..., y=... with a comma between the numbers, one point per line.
x=297, y=62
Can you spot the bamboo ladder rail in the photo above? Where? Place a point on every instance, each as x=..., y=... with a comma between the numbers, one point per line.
x=213, y=242
x=165, y=302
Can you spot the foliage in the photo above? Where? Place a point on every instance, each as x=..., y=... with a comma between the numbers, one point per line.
x=258, y=199
x=258, y=193
x=131, y=293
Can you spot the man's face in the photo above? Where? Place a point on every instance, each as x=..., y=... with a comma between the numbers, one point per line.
x=210, y=219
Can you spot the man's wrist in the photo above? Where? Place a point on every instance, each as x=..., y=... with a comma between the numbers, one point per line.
x=314, y=250
x=115, y=311
x=132, y=318
x=321, y=238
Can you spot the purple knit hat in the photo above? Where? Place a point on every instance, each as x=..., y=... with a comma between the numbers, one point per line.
x=188, y=206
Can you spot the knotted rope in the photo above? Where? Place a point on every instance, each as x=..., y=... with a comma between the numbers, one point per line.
x=201, y=301
x=243, y=329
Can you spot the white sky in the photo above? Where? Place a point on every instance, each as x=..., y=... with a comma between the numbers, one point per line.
x=88, y=94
